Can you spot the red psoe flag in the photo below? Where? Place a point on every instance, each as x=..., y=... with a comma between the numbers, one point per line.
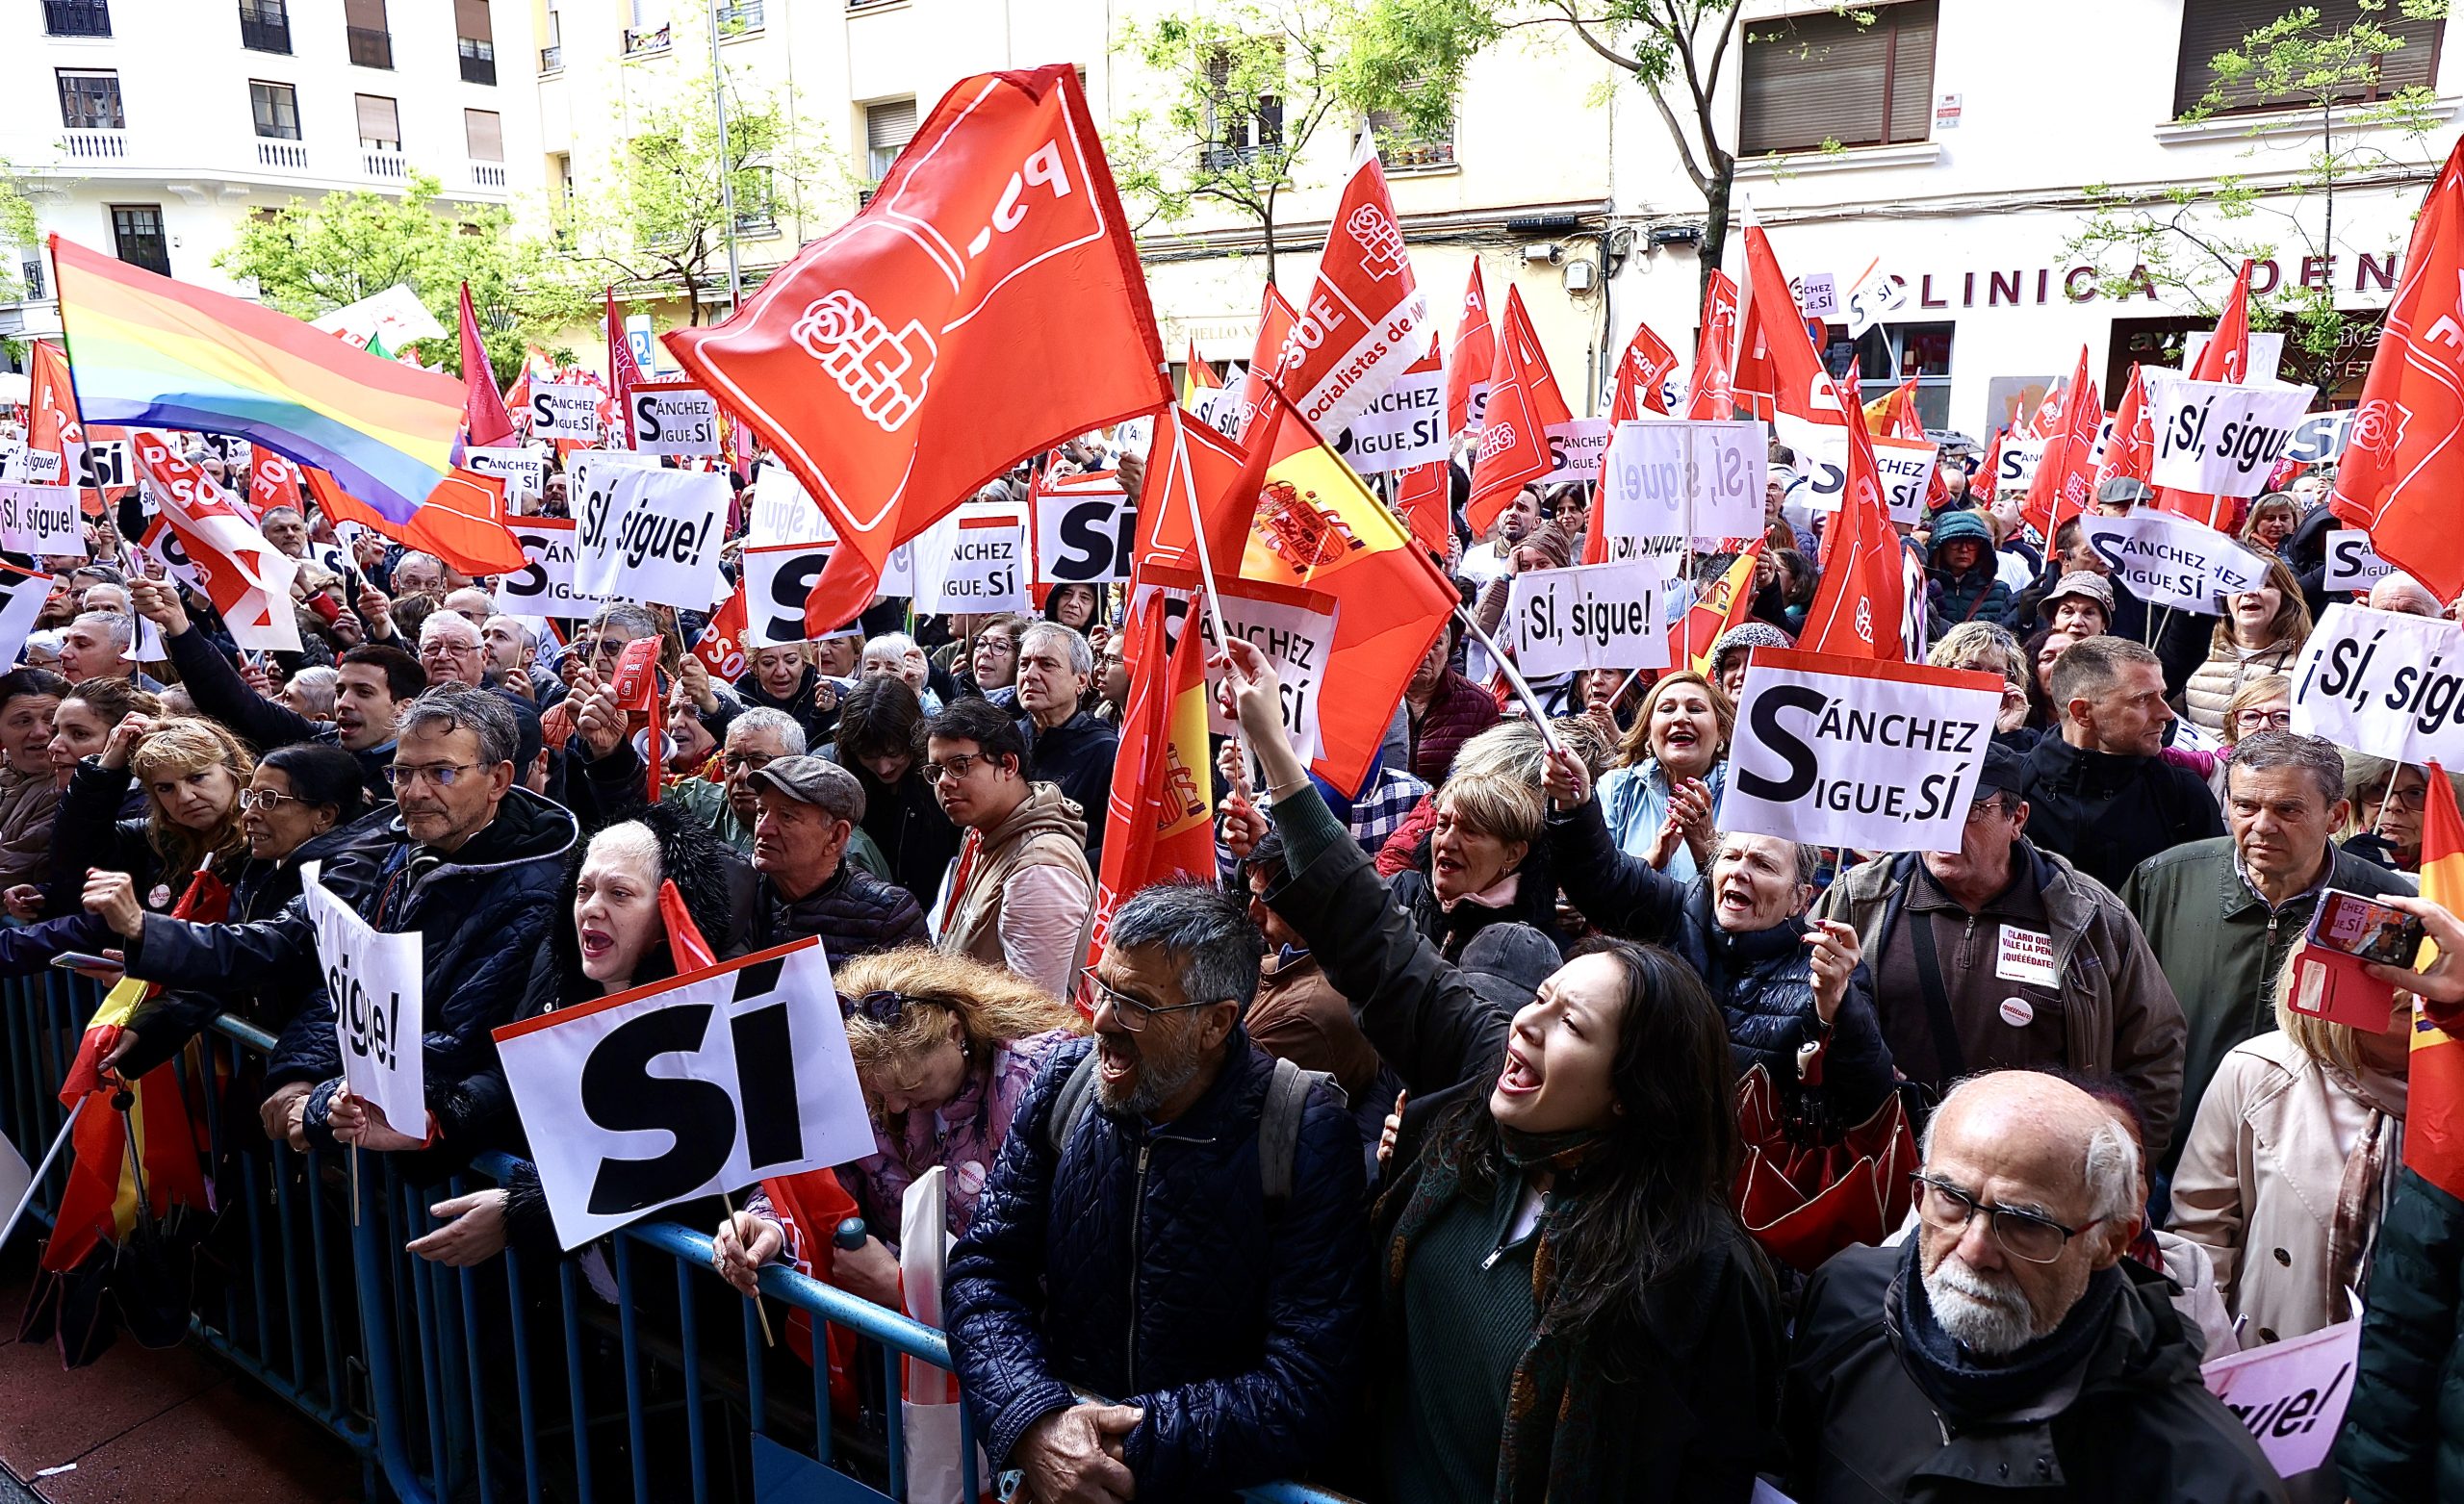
x=1642, y=376
x=624, y=373
x=1514, y=442
x=882, y=364
x=1275, y=319
x=721, y=645
x=1808, y=410
x=1470, y=361
x=53, y=427
x=1856, y=609
x=2130, y=450
x=2434, y=1122
x=2066, y=479
x=1711, y=393
x=484, y=415
x=1161, y=817
x=1361, y=325
x=2403, y=463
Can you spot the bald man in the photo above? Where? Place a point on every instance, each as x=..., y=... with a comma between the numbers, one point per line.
x=2405, y=596
x=2009, y=1340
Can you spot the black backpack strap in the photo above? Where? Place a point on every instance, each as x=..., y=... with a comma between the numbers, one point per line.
x=1947, y=1054
x=1076, y=1095
x=1279, y=1126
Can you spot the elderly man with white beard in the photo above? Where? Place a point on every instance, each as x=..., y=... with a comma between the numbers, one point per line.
x=2010, y=1345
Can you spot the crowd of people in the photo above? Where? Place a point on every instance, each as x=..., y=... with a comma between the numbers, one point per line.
x=1403, y=1152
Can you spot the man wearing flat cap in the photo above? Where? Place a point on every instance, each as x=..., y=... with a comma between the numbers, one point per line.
x=809, y=806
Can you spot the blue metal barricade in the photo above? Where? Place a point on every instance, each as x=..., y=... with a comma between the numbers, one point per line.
x=628, y=1372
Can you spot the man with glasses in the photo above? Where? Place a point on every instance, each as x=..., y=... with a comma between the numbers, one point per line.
x=2003, y=956
x=2103, y=795
x=2008, y=1346
x=470, y=862
x=1176, y=1217
x=1020, y=892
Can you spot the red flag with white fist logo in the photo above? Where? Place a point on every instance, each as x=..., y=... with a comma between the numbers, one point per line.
x=883, y=363
x=2403, y=463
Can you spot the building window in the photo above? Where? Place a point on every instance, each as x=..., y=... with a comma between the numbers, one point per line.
x=372, y=40
x=277, y=110
x=1886, y=355
x=137, y=237
x=484, y=131
x=1403, y=149
x=89, y=101
x=1822, y=80
x=2213, y=26
x=741, y=16
x=33, y=278
x=756, y=201
x=76, y=18
x=888, y=126
x=380, y=124
x=476, y=38
x=1239, y=128
x=265, y=25
x=648, y=31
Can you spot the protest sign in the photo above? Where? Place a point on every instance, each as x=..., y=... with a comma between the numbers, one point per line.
x=41, y=519
x=2352, y=564
x=701, y=1083
x=2320, y=437
x=1674, y=478
x=1085, y=537
x=1838, y=751
x=1592, y=616
x=1576, y=447
x=1286, y=627
x=592, y=476
x=2383, y=683
x=673, y=418
x=656, y=540
x=2291, y=1395
x=22, y=593
x=2169, y=560
x=545, y=586
x=2015, y=463
x=1904, y=467
x=777, y=578
x=783, y=511
x=379, y=1017
x=525, y=468
x=973, y=560
x=1403, y=428
x=566, y=411
x=103, y=463
x=2219, y=438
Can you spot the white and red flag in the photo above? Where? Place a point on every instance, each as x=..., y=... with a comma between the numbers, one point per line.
x=1361, y=325
x=883, y=365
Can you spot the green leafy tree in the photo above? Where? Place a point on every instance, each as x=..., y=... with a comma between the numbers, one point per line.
x=1244, y=88
x=658, y=225
x=18, y=226
x=2192, y=239
x=1408, y=56
x=309, y=258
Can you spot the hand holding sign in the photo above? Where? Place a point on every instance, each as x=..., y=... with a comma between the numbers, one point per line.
x=373, y=981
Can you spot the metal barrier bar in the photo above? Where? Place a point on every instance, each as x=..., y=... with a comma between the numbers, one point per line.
x=424, y=1421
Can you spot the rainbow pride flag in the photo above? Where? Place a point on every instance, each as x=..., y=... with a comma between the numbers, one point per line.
x=146, y=350
x=2434, y=1123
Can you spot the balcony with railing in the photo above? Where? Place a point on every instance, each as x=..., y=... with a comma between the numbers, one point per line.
x=390, y=166
x=289, y=156
x=639, y=43
x=77, y=18
x=487, y=175
x=93, y=145
x=370, y=47
x=744, y=16
x=264, y=28
x=478, y=60
x=552, y=59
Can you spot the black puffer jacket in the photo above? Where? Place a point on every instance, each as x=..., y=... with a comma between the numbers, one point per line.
x=2109, y=813
x=89, y=830
x=219, y=692
x=481, y=916
x=1077, y=757
x=1762, y=978
x=854, y=913
x=1534, y=903
x=1142, y=1263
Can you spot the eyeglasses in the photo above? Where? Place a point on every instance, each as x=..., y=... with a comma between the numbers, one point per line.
x=884, y=1009
x=1986, y=808
x=2022, y=1234
x=2411, y=800
x=443, y=774
x=608, y=647
x=265, y=799
x=747, y=762
x=2264, y=720
x=952, y=770
x=1135, y=1013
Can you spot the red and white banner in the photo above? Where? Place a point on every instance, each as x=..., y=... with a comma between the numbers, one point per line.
x=1361, y=327
x=2066, y=479
x=882, y=364
x=247, y=578
x=1471, y=359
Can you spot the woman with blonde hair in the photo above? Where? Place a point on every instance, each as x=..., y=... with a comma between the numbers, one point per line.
x=2272, y=518
x=1478, y=871
x=1672, y=765
x=2261, y=631
x=1990, y=647
x=945, y=1047
x=2286, y=1170
x=192, y=772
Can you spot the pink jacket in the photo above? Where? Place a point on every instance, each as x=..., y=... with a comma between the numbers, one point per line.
x=966, y=1135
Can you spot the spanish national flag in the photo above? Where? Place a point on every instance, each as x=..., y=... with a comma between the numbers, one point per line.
x=2434, y=1123
x=1196, y=377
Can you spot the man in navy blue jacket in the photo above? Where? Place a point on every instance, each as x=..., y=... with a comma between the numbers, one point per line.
x=1175, y=1224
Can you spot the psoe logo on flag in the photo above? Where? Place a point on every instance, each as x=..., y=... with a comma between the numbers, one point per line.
x=2377, y=427
x=884, y=374
x=1495, y=439
x=1381, y=241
